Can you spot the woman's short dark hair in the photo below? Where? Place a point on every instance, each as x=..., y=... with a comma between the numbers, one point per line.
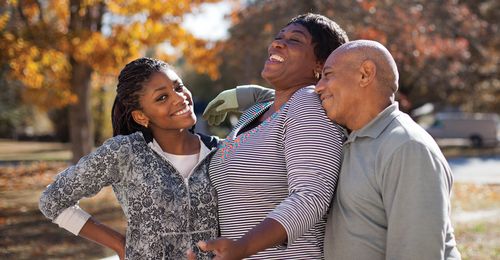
x=130, y=83
x=326, y=34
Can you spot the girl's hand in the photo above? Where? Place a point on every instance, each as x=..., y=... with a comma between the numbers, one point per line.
x=121, y=252
x=104, y=235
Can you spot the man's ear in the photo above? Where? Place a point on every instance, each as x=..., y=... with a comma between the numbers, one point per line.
x=140, y=118
x=368, y=70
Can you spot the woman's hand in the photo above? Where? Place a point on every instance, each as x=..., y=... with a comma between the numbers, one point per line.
x=224, y=249
x=190, y=255
x=217, y=109
x=267, y=234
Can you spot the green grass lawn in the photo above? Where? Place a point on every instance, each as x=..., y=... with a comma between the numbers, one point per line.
x=478, y=234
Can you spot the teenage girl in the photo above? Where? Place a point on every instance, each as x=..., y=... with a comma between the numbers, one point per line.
x=156, y=165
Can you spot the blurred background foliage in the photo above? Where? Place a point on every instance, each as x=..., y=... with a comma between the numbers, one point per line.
x=61, y=58
x=447, y=52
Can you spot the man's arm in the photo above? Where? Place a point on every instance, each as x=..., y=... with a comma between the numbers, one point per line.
x=416, y=188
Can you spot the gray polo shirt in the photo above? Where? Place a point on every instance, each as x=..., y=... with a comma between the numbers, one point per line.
x=393, y=197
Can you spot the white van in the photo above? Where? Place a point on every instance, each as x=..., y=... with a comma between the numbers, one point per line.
x=478, y=128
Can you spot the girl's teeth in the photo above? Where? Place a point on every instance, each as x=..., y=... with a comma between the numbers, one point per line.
x=182, y=111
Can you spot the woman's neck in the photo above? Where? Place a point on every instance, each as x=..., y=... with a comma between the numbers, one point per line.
x=283, y=95
x=181, y=142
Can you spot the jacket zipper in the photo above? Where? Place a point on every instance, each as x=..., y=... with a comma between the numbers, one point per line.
x=186, y=180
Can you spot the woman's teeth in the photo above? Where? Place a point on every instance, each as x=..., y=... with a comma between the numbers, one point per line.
x=275, y=57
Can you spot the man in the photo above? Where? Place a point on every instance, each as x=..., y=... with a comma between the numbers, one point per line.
x=393, y=196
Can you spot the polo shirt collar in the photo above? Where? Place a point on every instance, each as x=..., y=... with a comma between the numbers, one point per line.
x=378, y=124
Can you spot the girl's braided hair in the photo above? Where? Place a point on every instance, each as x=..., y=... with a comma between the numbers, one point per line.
x=130, y=83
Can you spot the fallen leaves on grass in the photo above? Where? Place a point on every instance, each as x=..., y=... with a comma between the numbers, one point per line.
x=26, y=234
x=25, y=176
x=470, y=197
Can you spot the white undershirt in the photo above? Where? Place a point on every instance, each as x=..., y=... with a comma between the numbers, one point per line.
x=74, y=218
x=184, y=164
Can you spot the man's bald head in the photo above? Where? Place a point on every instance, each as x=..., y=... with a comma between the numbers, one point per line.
x=359, y=81
x=363, y=50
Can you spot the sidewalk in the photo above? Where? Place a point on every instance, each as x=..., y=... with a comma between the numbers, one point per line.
x=479, y=170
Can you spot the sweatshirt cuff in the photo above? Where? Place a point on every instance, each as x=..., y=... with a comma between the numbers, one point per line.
x=72, y=219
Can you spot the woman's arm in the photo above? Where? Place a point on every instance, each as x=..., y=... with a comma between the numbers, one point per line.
x=249, y=95
x=267, y=234
x=313, y=153
x=237, y=99
x=313, y=150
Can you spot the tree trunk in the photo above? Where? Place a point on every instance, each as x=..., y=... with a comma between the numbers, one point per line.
x=101, y=116
x=80, y=117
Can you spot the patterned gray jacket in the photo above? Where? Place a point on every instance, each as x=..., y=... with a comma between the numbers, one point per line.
x=165, y=215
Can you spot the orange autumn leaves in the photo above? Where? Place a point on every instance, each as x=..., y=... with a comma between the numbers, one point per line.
x=38, y=41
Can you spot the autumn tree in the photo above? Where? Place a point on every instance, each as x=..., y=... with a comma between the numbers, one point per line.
x=444, y=49
x=447, y=51
x=12, y=113
x=54, y=47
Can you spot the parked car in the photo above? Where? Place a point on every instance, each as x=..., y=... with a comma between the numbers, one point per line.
x=480, y=129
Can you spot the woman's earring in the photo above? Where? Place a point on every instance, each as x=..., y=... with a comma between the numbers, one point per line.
x=316, y=74
x=146, y=125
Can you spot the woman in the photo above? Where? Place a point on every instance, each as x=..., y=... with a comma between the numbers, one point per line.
x=276, y=172
x=156, y=165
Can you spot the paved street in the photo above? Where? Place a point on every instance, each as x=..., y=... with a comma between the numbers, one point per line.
x=480, y=170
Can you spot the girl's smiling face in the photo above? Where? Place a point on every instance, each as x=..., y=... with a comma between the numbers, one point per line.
x=166, y=104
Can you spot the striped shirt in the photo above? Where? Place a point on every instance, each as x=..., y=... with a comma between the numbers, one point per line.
x=285, y=169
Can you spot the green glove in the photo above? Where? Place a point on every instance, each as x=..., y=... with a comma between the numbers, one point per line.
x=217, y=109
